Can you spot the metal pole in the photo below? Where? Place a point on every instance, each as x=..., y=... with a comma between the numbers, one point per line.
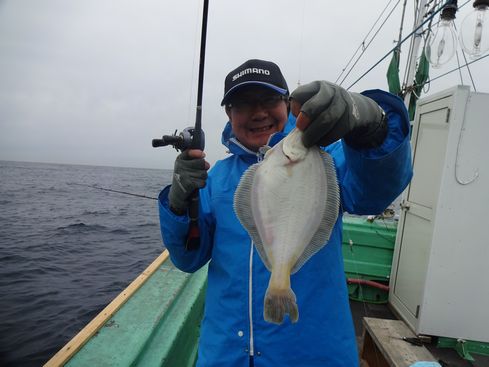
x=414, y=49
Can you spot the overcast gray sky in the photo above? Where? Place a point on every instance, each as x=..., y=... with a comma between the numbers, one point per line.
x=93, y=81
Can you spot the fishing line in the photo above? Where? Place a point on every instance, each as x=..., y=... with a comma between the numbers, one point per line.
x=116, y=191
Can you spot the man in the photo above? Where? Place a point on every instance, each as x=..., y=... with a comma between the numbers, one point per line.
x=373, y=166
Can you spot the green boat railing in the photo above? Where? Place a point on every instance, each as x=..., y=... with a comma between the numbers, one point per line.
x=152, y=325
x=155, y=320
x=368, y=248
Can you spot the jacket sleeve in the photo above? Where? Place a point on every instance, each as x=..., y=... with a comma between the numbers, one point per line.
x=371, y=179
x=174, y=230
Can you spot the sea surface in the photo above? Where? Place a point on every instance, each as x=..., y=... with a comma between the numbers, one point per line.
x=67, y=249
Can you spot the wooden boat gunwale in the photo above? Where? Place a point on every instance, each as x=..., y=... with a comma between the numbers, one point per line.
x=80, y=339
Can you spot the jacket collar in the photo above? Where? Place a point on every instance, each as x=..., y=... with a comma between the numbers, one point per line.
x=229, y=140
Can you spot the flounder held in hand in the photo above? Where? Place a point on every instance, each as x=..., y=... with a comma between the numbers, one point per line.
x=289, y=204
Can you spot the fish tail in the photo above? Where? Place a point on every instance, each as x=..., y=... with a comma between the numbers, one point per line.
x=278, y=303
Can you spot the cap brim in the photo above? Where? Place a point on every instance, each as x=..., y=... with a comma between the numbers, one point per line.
x=236, y=87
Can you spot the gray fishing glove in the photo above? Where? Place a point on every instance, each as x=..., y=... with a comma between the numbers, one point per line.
x=334, y=113
x=189, y=174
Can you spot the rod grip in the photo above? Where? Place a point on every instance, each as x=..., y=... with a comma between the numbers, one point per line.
x=193, y=235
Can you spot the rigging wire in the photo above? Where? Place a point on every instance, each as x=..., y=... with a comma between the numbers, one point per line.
x=375, y=35
x=465, y=58
x=394, y=48
x=362, y=44
x=401, y=28
x=411, y=46
x=402, y=23
x=429, y=27
x=468, y=70
x=451, y=71
x=459, y=69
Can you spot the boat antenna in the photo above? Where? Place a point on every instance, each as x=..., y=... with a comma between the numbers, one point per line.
x=192, y=138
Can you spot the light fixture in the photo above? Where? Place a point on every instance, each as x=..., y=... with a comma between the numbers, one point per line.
x=474, y=32
x=441, y=44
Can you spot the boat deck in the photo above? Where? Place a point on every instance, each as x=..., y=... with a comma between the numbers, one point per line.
x=156, y=318
x=446, y=356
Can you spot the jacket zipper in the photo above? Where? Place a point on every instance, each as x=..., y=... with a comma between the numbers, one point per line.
x=250, y=299
x=259, y=156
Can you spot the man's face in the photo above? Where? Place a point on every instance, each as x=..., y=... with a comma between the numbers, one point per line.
x=256, y=113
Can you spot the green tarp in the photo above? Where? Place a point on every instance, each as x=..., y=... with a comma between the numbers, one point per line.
x=422, y=75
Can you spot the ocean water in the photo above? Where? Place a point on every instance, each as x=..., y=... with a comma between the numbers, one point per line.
x=67, y=249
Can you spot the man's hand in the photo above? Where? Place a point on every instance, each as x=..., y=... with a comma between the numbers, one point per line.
x=326, y=112
x=189, y=174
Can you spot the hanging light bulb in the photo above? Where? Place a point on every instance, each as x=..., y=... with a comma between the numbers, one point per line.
x=474, y=34
x=441, y=44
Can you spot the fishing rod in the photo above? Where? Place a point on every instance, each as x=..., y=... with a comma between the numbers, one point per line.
x=192, y=138
x=116, y=191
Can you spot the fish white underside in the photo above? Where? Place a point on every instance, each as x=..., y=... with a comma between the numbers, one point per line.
x=289, y=204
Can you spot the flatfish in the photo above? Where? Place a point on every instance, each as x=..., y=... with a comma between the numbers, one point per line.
x=288, y=203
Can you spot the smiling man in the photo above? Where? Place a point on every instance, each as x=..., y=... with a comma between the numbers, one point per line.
x=256, y=112
x=368, y=138
x=256, y=101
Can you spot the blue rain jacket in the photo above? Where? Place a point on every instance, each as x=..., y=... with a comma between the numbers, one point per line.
x=233, y=327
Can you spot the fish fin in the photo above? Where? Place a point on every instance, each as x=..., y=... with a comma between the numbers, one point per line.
x=279, y=302
x=242, y=208
x=330, y=213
